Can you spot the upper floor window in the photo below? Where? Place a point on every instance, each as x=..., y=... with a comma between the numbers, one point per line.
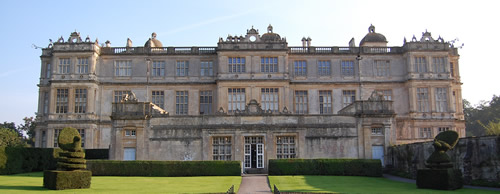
x=83, y=65
x=181, y=102
x=377, y=131
x=452, y=70
x=158, y=69
x=285, y=147
x=443, y=129
x=182, y=68
x=269, y=99
x=48, y=70
x=123, y=68
x=348, y=97
x=325, y=102
x=386, y=93
x=130, y=133
x=269, y=64
x=324, y=68
x=422, y=100
x=118, y=95
x=206, y=98
x=45, y=102
x=62, y=101
x=420, y=65
x=301, y=102
x=236, y=99
x=300, y=68
x=236, y=65
x=438, y=64
x=441, y=100
x=347, y=68
x=80, y=100
x=207, y=68
x=158, y=98
x=221, y=148
x=64, y=65
x=382, y=67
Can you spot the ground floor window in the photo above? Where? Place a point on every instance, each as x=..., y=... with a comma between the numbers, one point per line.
x=221, y=148
x=425, y=132
x=254, y=152
x=44, y=139
x=82, y=135
x=56, y=136
x=285, y=147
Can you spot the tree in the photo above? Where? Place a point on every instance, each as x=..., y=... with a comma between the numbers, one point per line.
x=10, y=138
x=484, y=112
x=493, y=128
x=28, y=127
x=12, y=126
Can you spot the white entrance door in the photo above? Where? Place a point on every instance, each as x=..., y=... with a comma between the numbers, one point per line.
x=248, y=156
x=378, y=153
x=129, y=154
x=260, y=155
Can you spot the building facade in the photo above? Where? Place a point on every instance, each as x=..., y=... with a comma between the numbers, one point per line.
x=251, y=98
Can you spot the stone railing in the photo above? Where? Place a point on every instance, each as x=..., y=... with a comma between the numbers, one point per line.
x=158, y=50
x=368, y=108
x=344, y=50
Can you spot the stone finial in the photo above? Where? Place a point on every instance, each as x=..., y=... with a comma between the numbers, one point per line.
x=108, y=43
x=60, y=40
x=270, y=29
x=309, y=41
x=50, y=43
x=153, y=35
x=87, y=39
x=129, y=42
x=304, y=42
x=371, y=29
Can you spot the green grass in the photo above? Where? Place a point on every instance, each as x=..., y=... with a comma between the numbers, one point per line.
x=33, y=183
x=351, y=184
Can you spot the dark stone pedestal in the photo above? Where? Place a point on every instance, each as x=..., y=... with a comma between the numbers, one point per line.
x=442, y=179
x=58, y=180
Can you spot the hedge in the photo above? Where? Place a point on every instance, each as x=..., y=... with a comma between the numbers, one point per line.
x=94, y=154
x=163, y=168
x=15, y=160
x=340, y=167
x=59, y=180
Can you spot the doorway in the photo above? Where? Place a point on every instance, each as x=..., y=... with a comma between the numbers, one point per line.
x=254, y=153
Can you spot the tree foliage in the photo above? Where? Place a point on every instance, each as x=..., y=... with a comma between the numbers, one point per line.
x=484, y=118
x=28, y=127
x=10, y=138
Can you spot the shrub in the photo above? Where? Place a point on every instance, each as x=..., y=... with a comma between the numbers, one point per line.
x=58, y=180
x=93, y=154
x=444, y=179
x=163, y=168
x=21, y=159
x=342, y=167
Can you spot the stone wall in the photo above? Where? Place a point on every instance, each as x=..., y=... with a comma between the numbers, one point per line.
x=477, y=157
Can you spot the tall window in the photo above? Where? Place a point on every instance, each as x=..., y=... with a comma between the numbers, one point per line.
x=82, y=135
x=300, y=68
x=452, y=70
x=269, y=64
x=348, y=97
x=382, y=67
x=64, y=65
x=62, y=101
x=181, y=102
x=182, y=68
x=44, y=139
x=324, y=68
x=45, y=102
x=386, y=93
x=438, y=64
x=158, y=69
x=441, y=100
x=285, y=147
x=221, y=148
x=347, y=68
x=80, y=100
x=158, y=98
x=420, y=65
x=207, y=68
x=269, y=99
x=118, y=95
x=206, y=102
x=236, y=99
x=425, y=132
x=56, y=136
x=123, y=68
x=236, y=65
x=49, y=70
x=325, y=102
x=83, y=65
x=422, y=100
x=443, y=129
x=301, y=102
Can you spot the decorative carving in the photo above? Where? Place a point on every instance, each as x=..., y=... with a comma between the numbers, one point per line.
x=129, y=42
x=376, y=96
x=129, y=97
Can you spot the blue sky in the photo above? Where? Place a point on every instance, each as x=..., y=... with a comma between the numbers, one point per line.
x=201, y=23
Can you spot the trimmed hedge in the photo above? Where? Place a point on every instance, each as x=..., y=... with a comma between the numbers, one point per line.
x=96, y=154
x=58, y=180
x=443, y=179
x=163, y=168
x=15, y=160
x=339, y=167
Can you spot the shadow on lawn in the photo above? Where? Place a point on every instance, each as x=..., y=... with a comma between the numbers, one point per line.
x=25, y=188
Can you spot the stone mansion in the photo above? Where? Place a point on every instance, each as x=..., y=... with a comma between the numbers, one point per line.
x=251, y=98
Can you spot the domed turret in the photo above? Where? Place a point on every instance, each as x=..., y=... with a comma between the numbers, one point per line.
x=153, y=42
x=270, y=36
x=373, y=39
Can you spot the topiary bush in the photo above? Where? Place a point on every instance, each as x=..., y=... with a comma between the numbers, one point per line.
x=59, y=180
x=341, y=167
x=163, y=168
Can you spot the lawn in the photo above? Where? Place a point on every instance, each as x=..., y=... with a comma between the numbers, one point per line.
x=351, y=184
x=33, y=182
